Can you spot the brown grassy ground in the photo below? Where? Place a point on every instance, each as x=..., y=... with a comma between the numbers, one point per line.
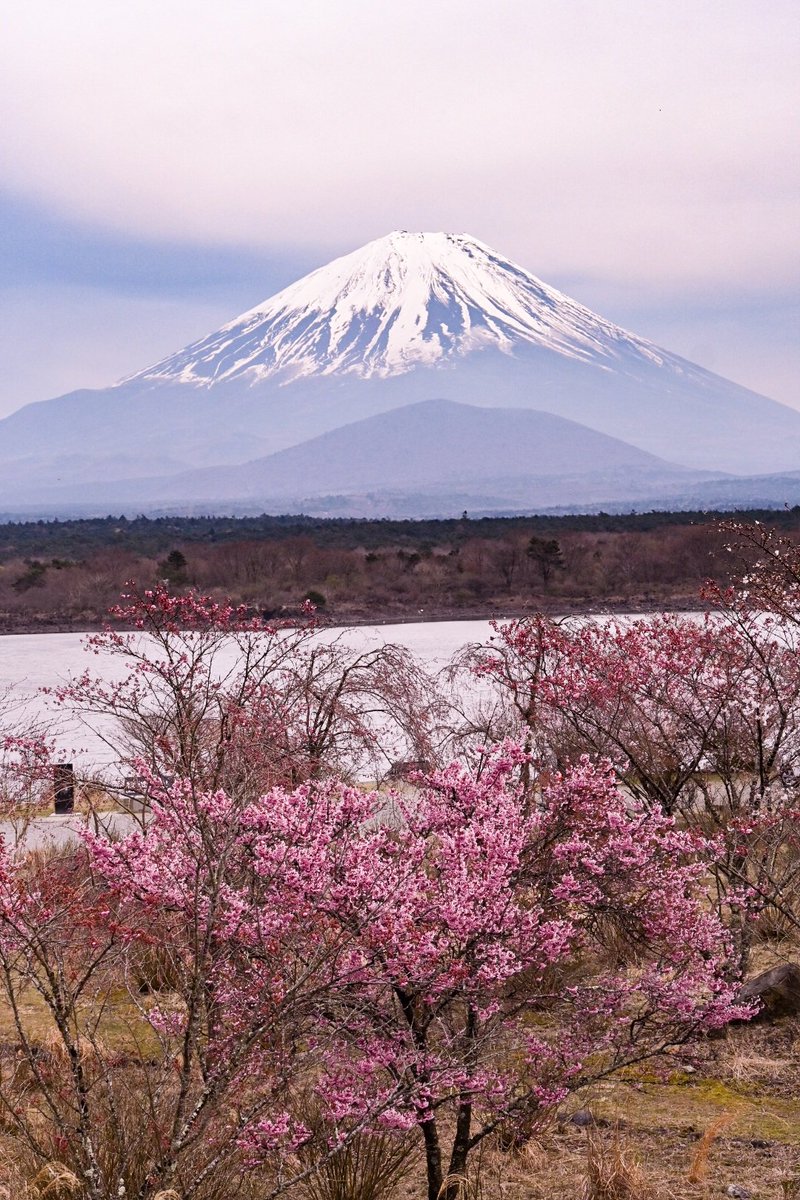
x=743, y=1093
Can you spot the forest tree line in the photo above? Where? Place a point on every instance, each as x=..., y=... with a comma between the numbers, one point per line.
x=66, y=574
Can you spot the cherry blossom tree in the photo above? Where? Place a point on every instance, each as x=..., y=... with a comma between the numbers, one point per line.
x=487, y=975
x=180, y=976
x=26, y=764
x=352, y=713
x=700, y=717
x=26, y=778
x=184, y=670
x=763, y=609
x=460, y=967
x=655, y=696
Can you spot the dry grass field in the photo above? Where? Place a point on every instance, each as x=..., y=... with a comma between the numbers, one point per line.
x=726, y=1123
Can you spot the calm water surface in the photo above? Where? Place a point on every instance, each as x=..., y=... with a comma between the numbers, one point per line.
x=30, y=662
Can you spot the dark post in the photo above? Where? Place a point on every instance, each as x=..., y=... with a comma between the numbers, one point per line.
x=64, y=787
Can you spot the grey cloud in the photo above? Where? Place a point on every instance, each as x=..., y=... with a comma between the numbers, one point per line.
x=649, y=139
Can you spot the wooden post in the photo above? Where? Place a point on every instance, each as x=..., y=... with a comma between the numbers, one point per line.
x=64, y=787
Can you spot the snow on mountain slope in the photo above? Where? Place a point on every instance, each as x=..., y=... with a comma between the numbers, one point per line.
x=404, y=300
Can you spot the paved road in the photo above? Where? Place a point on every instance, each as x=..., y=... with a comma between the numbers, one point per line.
x=49, y=832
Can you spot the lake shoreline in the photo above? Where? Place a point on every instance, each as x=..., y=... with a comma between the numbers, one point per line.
x=352, y=618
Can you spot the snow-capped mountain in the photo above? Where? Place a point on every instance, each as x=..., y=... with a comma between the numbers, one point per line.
x=405, y=300
x=408, y=318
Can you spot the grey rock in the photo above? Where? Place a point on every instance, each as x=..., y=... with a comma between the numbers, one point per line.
x=583, y=1118
x=777, y=992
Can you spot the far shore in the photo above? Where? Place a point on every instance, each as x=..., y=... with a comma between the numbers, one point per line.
x=64, y=577
x=344, y=619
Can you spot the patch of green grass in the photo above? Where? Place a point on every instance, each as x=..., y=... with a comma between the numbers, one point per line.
x=695, y=1105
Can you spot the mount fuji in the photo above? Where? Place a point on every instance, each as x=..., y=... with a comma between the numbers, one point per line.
x=408, y=318
x=404, y=301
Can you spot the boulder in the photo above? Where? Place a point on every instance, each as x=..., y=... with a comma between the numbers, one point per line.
x=776, y=991
x=583, y=1118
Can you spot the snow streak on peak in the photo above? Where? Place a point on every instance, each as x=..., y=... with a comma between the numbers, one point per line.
x=405, y=300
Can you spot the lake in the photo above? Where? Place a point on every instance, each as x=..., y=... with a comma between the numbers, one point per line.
x=32, y=661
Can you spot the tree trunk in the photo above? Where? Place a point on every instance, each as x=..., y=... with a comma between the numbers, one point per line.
x=457, y=1171
x=433, y=1158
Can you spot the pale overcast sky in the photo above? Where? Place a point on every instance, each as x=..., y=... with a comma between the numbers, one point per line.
x=165, y=166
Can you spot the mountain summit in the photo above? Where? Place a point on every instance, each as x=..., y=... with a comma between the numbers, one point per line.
x=405, y=300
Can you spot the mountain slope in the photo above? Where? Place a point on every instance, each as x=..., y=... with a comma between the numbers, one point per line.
x=407, y=318
x=456, y=455
x=430, y=459
x=434, y=444
x=405, y=300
